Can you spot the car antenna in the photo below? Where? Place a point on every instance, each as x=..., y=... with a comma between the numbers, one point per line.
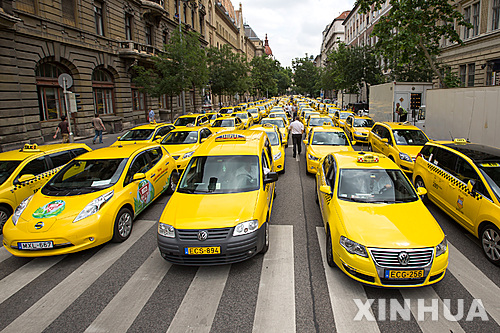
x=451, y=135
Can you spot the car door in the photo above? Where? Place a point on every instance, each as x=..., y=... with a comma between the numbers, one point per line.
x=38, y=167
x=160, y=169
x=267, y=167
x=325, y=200
x=374, y=138
x=348, y=127
x=143, y=190
x=386, y=148
x=445, y=161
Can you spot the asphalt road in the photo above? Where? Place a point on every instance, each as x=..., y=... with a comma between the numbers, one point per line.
x=129, y=287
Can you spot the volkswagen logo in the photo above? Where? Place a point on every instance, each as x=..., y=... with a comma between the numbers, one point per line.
x=39, y=225
x=403, y=258
x=202, y=235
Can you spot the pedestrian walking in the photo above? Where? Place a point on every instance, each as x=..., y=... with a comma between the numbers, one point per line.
x=98, y=128
x=403, y=114
x=295, y=110
x=297, y=128
x=64, y=129
x=151, y=117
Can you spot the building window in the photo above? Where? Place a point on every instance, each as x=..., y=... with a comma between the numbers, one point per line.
x=50, y=94
x=68, y=9
x=103, y=91
x=165, y=37
x=202, y=19
x=185, y=13
x=475, y=19
x=149, y=34
x=496, y=15
x=138, y=100
x=128, y=27
x=163, y=101
x=467, y=19
x=471, y=69
x=176, y=5
x=99, y=21
x=463, y=75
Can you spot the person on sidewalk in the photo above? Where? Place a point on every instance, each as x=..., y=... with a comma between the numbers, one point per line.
x=151, y=117
x=98, y=128
x=401, y=111
x=64, y=129
x=297, y=128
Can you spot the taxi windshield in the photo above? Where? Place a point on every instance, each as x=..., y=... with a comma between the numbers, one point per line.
x=319, y=121
x=6, y=169
x=375, y=186
x=410, y=137
x=330, y=139
x=180, y=138
x=491, y=172
x=223, y=123
x=138, y=134
x=273, y=138
x=253, y=110
x=277, y=115
x=344, y=115
x=185, y=121
x=242, y=116
x=277, y=122
x=363, y=123
x=220, y=174
x=85, y=176
x=226, y=111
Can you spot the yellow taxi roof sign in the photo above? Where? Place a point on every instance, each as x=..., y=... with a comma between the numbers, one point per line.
x=368, y=158
x=460, y=141
x=230, y=137
x=30, y=148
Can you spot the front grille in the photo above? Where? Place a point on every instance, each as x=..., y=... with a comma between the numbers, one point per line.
x=207, y=260
x=389, y=257
x=395, y=282
x=213, y=234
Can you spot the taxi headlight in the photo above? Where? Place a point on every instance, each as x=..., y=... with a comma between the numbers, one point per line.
x=405, y=157
x=94, y=206
x=441, y=247
x=20, y=209
x=277, y=156
x=246, y=227
x=188, y=155
x=353, y=247
x=166, y=230
x=312, y=158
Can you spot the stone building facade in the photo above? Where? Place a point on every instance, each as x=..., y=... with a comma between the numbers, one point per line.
x=97, y=43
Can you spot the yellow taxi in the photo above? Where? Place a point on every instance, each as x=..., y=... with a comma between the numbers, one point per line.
x=315, y=121
x=192, y=119
x=401, y=142
x=181, y=143
x=306, y=114
x=90, y=201
x=24, y=171
x=378, y=231
x=277, y=145
x=254, y=111
x=227, y=124
x=226, y=111
x=463, y=179
x=144, y=134
x=358, y=127
x=212, y=116
x=322, y=141
x=340, y=116
x=282, y=127
x=263, y=110
x=245, y=117
x=220, y=211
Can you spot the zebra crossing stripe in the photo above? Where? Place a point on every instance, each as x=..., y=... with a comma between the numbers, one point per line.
x=121, y=312
x=197, y=310
x=428, y=294
x=343, y=290
x=4, y=254
x=475, y=281
x=48, y=308
x=275, y=309
x=24, y=275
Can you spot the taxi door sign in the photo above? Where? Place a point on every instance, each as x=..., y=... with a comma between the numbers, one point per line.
x=460, y=202
x=145, y=194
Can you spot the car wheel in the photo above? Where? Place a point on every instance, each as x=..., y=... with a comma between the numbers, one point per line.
x=420, y=183
x=5, y=213
x=123, y=225
x=172, y=183
x=490, y=239
x=266, y=239
x=329, y=250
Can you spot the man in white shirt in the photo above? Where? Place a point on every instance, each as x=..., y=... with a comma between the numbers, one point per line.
x=297, y=128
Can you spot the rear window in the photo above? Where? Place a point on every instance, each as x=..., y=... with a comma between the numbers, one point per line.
x=137, y=135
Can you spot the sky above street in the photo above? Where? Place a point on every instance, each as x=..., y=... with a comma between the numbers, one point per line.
x=293, y=27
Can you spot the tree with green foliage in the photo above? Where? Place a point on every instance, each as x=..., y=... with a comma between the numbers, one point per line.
x=181, y=66
x=305, y=76
x=228, y=71
x=409, y=36
x=284, y=79
x=263, y=76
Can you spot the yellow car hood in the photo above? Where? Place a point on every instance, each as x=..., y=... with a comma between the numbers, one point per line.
x=180, y=149
x=51, y=209
x=323, y=150
x=410, y=150
x=399, y=225
x=202, y=211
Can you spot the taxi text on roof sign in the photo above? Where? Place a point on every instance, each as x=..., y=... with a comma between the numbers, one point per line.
x=230, y=137
x=460, y=141
x=32, y=147
x=368, y=158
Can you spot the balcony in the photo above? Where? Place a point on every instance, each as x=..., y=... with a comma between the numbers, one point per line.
x=134, y=50
x=153, y=8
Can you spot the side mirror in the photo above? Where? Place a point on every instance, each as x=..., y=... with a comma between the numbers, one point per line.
x=470, y=185
x=271, y=177
x=421, y=191
x=305, y=141
x=203, y=140
x=26, y=178
x=385, y=140
x=118, y=138
x=157, y=137
x=353, y=142
x=325, y=189
x=139, y=176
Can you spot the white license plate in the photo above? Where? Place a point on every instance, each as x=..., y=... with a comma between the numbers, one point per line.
x=35, y=245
